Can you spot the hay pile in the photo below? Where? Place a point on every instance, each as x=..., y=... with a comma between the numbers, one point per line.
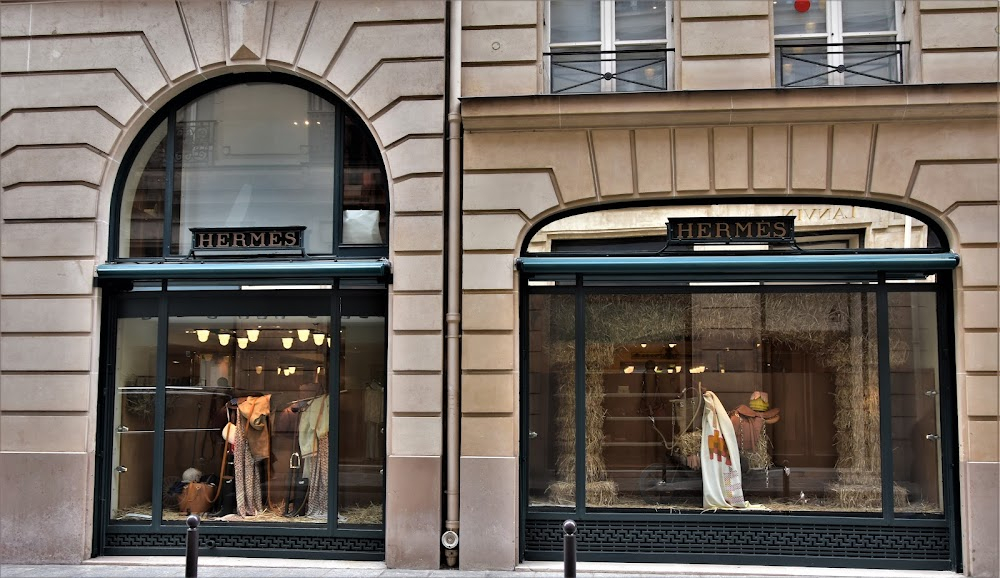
x=368, y=515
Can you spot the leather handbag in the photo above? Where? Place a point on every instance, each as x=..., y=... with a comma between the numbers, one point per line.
x=197, y=498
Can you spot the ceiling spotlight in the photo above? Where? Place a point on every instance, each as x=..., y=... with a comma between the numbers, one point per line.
x=286, y=342
x=629, y=369
x=224, y=339
x=303, y=334
x=242, y=342
x=642, y=345
x=318, y=338
x=291, y=370
x=253, y=334
x=203, y=334
x=671, y=345
x=259, y=369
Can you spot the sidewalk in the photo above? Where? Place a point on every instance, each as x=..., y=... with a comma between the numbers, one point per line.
x=218, y=567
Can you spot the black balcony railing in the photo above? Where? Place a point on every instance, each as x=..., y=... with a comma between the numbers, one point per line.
x=858, y=62
x=633, y=70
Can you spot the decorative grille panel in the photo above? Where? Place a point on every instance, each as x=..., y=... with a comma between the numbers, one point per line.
x=755, y=541
x=349, y=547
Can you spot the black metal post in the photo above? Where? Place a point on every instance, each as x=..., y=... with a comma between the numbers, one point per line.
x=191, y=559
x=569, y=549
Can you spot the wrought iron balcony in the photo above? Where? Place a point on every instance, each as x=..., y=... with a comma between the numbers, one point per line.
x=858, y=63
x=631, y=70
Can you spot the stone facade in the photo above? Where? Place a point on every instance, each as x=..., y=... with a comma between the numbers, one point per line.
x=80, y=80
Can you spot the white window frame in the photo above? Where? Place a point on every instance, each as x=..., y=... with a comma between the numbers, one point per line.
x=608, y=43
x=835, y=35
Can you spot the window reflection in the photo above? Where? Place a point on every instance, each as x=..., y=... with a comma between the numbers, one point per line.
x=134, y=415
x=249, y=418
x=796, y=375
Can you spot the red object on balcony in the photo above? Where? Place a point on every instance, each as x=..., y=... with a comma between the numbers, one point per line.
x=802, y=5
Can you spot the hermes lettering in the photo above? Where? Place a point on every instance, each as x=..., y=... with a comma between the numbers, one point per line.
x=732, y=230
x=248, y=240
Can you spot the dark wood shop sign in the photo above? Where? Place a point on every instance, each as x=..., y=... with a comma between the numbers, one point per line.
x=231, y=241
x=758, y=230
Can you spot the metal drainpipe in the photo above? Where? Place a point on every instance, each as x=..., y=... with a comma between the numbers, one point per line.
x=453, y=317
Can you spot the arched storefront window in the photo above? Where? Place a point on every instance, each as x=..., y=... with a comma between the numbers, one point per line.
x=746, y=383
x=254, y=155
x=244, y=352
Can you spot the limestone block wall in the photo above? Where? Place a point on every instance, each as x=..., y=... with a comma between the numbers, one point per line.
x=525, y=161
x=79, y=79
x=723, y=45
x=501, y=47
x=957, y=41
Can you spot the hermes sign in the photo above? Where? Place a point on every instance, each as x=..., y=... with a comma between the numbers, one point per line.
x=760, y=230
x=243, y=241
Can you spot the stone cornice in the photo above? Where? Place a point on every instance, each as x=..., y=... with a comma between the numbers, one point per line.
x=732, y=107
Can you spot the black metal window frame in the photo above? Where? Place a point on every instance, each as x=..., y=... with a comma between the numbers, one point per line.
x=169, y=114
x=631, y=60
x=156, y=537
x=863, y=540
x=609, y=528
x=873, y=52
x=610, y=52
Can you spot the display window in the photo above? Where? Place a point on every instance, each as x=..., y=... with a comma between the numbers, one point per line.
x=245, y=341
x=766, y=368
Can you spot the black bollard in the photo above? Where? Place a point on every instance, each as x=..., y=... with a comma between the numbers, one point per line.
x=191, y=559
x=569, y=549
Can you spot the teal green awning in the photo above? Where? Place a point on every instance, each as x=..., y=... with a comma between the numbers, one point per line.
x=211, y=270
x=707, y=264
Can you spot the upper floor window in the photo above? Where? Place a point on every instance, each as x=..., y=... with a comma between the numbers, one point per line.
x=609, y=46
x=835, y=42
x=254, y=156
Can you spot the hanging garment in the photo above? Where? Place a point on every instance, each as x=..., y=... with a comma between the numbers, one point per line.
x=722, y=482
x=249, y=501
x=314, y=424
x=319, y=467
x=256, y=411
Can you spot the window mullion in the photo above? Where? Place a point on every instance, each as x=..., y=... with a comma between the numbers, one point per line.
x=835, y=28
x=160, y=407
x=168, y=183
x=607, y=43
x=885, y=398
x=580, y=400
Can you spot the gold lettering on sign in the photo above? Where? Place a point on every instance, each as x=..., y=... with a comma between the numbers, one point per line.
x=780, y=230
x=290, y=240
x=257, y=239
x=704, y=230
x=722, y=230
x=743, y=230
x=204, y=239
x=685, y=230
x=274, y=239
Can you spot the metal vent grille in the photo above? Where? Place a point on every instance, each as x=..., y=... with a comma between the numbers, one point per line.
x=748, y=539
x=351, y=547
